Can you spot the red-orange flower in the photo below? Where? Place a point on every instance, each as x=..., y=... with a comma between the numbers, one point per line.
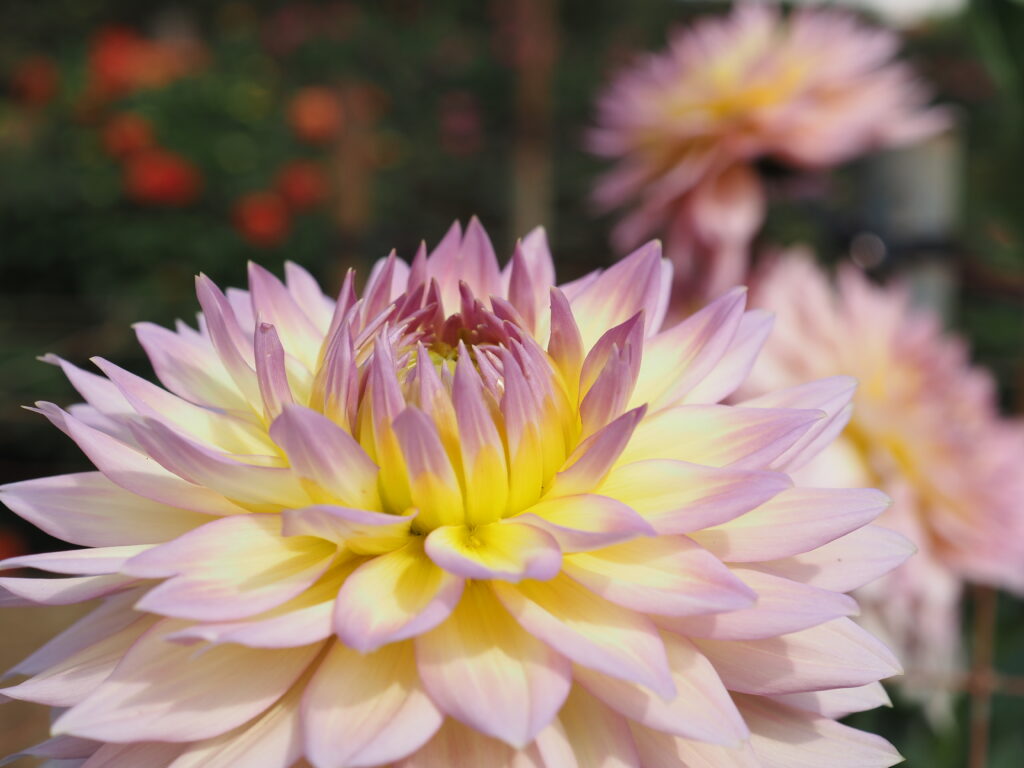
x=126, y=134
x=302, y=184
x=262, y=218
x=35, y=80
x=160, y=177
x=316, y=115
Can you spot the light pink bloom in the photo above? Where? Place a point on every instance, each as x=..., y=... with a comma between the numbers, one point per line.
x=810, y=90
x=925, y=428
x=466, y=519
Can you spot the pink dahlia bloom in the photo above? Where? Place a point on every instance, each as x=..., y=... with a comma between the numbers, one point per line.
x=467, y=519
x=925, y=428
x=810, y=90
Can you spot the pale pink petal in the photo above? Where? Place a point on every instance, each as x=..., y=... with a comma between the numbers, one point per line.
x=840, y=702
x=782, y=607
x=89, y=510
x=231, y=568
x=95, y=561
x=701, y=708
x=362, y=710
x=735, y=365
x=668, y=575
x=263, y=488
x=231, y=344
x=832, y=396
x=591, y=461
x=303, y=620
x=679, y=497
x=566, y=344
x=137, y=473
x=847, y=563
x=271, y=374
x=171, y=694
x=622, y=290
x=599, y=736
x=678, y=359
x=796, y=521
x=663, y=750
x=272, y=303
x=719, y=435
x=590, y=631
x=66, y=591
x=586, y=521
x=113, y=615
x=457, y=745
x=77, y=675
x=191, y=370
x=394, y=597
x=273, y=740
x=336, y=383
x=479, y=651
x=151, y=755
x=214, y=427
x=838, y=654
x=101, y=394
x=307, y=294
x=323, y=452
x=788, y=738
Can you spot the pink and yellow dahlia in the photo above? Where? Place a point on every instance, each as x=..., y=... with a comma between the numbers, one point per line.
x=810, y=90
x=466, y=519
x=925, y=428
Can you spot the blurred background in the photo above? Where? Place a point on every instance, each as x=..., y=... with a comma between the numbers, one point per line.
x=142, y=143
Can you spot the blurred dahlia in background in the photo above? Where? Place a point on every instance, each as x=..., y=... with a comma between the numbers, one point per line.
x=466, y=519
x=685, y=128
x=926, y=428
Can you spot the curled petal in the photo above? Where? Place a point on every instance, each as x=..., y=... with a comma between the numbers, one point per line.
x=360, y=531
x=507, y=551
x=586, y=521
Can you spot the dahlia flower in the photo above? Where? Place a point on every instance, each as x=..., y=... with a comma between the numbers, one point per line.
x=807, y=91
x=925, y=428
x=466, y=519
